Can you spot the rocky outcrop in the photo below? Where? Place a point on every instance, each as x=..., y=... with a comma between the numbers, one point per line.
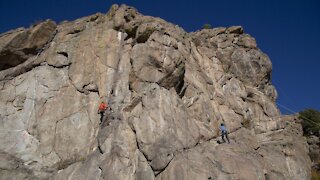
x=314, y=152
x=313, y=141
x=18, y=45
x=168, y=89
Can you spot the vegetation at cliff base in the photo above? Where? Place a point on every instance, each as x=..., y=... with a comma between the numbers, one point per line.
x=311, y=121
x=315, y=175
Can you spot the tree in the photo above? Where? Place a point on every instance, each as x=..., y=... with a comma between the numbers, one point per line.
x=207, y=26
x=311, y=121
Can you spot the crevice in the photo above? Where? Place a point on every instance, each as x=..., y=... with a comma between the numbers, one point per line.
x=238, y=113
x=183, y=90
x=174, y=79
x=166, y=33
x=90, y=87
x=58, y=67
x=100, y=150
x=32, y=50
x=76, y=30
x=145, y=155
x=157, y=172
x=71, y=82
x=128, y=18
x=139, y=148
x=134, y=103
x=155, y=63
x=144, y=36
x=179, y=86
x=131, y=33
x=65, y=54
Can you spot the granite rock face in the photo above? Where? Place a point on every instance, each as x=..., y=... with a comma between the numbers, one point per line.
x=168, y=89
x=314, y=151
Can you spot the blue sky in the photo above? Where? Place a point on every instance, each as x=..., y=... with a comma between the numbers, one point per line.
x=287, y=30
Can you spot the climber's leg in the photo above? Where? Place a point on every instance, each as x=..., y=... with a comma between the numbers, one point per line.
x=226, y=134
x=222, y=136
x=101, y=116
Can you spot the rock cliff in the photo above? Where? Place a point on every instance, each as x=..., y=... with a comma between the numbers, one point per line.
x=168, y=89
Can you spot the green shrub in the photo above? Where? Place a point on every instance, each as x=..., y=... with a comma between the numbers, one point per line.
x=315, y=175
x=207, y=26
x=311, y=121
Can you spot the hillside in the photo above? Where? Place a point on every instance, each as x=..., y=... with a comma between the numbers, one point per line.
x=169, y=90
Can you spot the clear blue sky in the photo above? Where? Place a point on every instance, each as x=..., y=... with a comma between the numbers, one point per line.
x=288, y=31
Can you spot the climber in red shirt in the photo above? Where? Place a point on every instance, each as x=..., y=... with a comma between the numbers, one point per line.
x=102, y=109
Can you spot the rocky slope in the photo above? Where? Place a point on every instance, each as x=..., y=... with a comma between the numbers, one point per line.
x=169, y=91
x=314, y=153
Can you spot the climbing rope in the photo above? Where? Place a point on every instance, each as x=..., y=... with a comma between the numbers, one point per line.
x=304, y=117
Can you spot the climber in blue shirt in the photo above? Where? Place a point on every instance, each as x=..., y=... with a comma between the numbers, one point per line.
x=224, y=132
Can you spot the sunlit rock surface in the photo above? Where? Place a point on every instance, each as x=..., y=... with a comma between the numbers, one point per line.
x=168, y=89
